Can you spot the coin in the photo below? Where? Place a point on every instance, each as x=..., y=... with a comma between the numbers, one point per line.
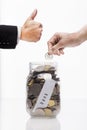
x=34, y=101
x=31, y=97
x=47, y=67
x=38, y=112
x=48, y=57
x=31, y=82
x=47, y=76
x=51, y=103
x=48, y=112
x=35, y=89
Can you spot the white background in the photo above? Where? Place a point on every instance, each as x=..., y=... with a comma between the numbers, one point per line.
x=61, y=16
x=56, y=16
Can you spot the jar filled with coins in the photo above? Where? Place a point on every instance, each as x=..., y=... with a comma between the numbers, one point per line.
x=43, y=90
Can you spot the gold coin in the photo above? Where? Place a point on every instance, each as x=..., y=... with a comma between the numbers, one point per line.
x=31, y=82
x=47, y=67
x=48, y=112
x=51, y=103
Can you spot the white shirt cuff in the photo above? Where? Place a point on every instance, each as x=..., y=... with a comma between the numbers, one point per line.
x=19, y=34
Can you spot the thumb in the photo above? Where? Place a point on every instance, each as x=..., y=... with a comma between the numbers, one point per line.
x=33, y=15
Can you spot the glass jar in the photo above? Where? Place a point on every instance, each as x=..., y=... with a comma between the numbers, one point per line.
x=43, y=90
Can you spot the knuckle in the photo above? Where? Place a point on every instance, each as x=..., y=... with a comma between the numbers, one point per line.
x=38, y=37
x=40, y=25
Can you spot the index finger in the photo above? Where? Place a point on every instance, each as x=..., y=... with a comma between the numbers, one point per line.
x=52, y=42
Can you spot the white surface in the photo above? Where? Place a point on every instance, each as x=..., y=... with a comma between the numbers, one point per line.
x=73, y=116
x=62, y=16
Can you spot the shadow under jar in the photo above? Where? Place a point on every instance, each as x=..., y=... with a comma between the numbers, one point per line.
x=43, y=90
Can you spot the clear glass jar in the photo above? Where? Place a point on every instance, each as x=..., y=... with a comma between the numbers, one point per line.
x=43, y=90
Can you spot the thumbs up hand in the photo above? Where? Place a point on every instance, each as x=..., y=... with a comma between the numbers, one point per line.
x=31, y=31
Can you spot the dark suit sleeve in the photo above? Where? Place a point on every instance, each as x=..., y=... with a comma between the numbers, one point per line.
x=8, y=36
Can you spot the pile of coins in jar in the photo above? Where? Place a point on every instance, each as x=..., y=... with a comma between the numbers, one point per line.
x=35, y=83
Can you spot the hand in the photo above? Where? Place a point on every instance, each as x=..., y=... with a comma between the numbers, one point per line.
x=59, y=41
x=31, y=30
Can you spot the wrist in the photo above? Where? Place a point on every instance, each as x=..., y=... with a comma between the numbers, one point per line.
x=82, y=34
x=21, y=33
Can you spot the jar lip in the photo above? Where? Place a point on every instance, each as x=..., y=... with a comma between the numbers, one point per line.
x=43, y=63
x=33, y=64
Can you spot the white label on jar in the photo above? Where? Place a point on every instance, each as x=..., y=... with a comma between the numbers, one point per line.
x=45, y=94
